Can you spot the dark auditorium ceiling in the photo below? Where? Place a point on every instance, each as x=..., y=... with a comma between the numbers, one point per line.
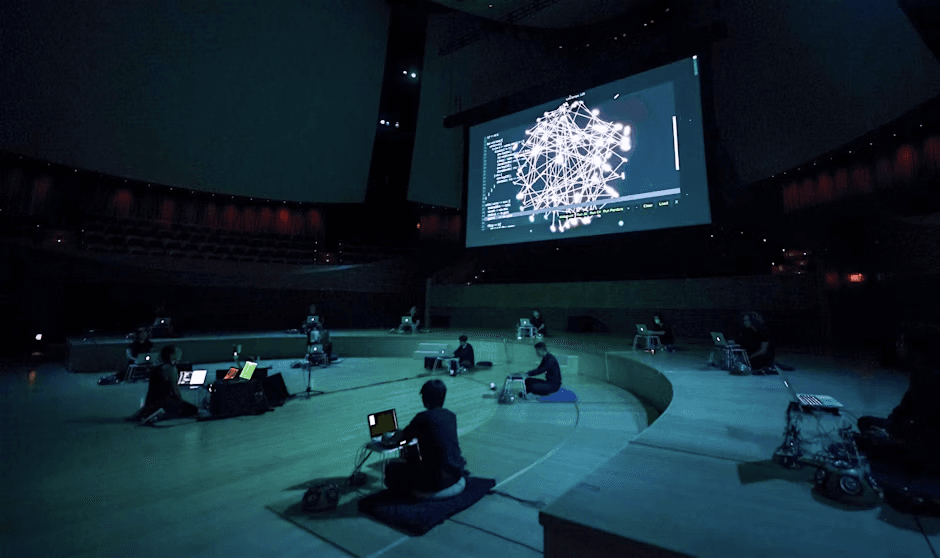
x=547, y=13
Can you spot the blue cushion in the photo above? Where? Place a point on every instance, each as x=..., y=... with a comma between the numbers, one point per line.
x=561, y=396
x=417, y=517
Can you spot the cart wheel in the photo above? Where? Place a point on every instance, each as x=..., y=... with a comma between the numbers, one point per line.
x=822, y=476
x=851, y=485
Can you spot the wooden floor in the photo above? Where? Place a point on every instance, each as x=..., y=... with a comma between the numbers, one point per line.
x=80, y=481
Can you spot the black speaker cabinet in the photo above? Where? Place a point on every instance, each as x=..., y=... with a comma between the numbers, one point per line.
x=275, y=391
x=239, y=397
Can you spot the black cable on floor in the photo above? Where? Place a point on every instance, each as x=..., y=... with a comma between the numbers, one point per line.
x=926, y=538
x=497, y=535
x=537, y=504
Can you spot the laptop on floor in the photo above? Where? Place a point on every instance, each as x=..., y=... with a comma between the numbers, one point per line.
x=193, y=378
x=809, y=401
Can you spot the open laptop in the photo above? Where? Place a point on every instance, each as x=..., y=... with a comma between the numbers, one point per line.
x=524, y=322
x=193, y=378
x=236, y=373
x=313, y=320
x=719, y=339
x=641, y=329
x=825, y=402
x=146, y=358
x=248, y=370
x=406, y=320
x=383, y=423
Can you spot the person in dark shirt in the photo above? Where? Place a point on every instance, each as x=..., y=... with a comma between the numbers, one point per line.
x=663, y=330
x=318, y=335
x=538, y=322
x=910, y=435
x=464, y=356
x=141, y=344
x=755, y=339
x=309, y=322
x=549, y=366
x=163, y=392
x=440, y=463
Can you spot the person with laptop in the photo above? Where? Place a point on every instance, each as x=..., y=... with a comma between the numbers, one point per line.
x=438, y=464
x=164, y=400
x=411, y=323
x=910, y=435
x=549, y=366
x=664, y=331
x=313, y=319
x=538, y=322
x=463, y=356
x=756, y=341
x=319, y=338
x=140, y=345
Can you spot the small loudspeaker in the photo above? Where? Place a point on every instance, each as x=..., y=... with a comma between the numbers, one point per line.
x=275, y=391
x=231, y=399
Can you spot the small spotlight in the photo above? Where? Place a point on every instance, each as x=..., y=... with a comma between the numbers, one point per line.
x=381, y=121
x=414, y=75
x=396, y=124
x=38, y=337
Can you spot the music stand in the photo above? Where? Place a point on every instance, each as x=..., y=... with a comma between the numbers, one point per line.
x=308, y=366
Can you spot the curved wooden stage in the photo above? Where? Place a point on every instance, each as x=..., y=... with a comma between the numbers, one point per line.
x=607, y=476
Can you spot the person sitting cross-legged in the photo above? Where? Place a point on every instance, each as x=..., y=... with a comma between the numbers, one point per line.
x=438, y=464
x=463, y=355
x=549, y=366
x=164, y=400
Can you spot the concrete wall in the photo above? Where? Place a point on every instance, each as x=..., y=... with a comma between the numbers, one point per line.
x=694, y=307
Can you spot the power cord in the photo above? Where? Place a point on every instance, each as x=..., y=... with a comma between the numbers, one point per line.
x=537, y=504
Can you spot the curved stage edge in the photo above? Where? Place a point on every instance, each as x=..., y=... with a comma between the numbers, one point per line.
x=697, y=482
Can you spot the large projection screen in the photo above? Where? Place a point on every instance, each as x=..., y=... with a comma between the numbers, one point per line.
x=626, y=156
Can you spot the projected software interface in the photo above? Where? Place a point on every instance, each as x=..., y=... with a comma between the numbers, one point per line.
x=625, y=156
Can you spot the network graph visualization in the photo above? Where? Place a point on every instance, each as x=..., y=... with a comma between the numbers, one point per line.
x=625, y=156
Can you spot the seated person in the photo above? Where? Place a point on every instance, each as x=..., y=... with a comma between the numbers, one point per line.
x=549, y=366
x=163, y=399
x=464, y=356
x=910, y=435
x=440, y=464
x=413, y=312
x=756, y=342
x=663, y=330
x=141, y=345
x=318, y=335
x=308, y=323
x=538, y=322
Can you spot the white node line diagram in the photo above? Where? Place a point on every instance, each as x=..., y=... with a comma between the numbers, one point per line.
x=570, y=158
